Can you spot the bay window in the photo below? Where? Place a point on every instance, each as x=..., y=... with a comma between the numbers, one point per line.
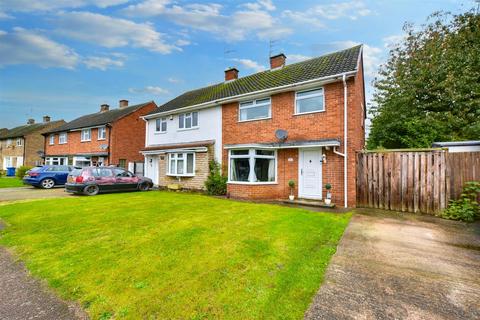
x=188, y=120
x=181, y=164
x=309, y=101
x=255, y=110
x=252, y=166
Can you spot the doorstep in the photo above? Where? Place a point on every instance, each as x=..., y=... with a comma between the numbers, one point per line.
x=310, y=203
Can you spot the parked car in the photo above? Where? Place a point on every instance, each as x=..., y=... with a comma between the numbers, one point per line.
x=93, y=180
x=47, y=177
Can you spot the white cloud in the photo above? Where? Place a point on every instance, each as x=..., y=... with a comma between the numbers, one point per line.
x=182, y=42
x=250, y=64
x=103, y=63
x=50, y=5
x=111, y=32
x=293, y=58
x=303, y=18
x=260, y=5
x=5, y=16
x=252, y=19
x=28, y=47
x=174, y=80
x=392, y=41
x=149, y=90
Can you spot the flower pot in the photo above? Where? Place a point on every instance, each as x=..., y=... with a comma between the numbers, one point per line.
x=291, y=197
x=328, y=201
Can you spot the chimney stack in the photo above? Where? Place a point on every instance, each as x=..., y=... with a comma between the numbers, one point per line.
x=231, y=74
x=104, y=107
x=277, y=61
x=46, y=119
x=123, y=104
x=31, y=121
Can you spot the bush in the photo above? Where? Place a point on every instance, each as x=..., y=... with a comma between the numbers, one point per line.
x=20, y=172
x=466, y=208
x=216, y=183
x=2, y=173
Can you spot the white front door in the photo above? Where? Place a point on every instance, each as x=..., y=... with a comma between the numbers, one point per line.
x=151, y=168
x=310, y=180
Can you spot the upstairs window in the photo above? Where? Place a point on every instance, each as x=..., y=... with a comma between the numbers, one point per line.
x=52, y=139
x=252, y=166
x=181, y=164
x=62, y=138
x=161, y=125
x=102, y=133
x=188, y=120
x=309, y=101
x=19, y=142
x=86, y=134
x=9, y=142
x=255, y=110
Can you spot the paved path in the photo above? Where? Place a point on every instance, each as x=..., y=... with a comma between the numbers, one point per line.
x=22, y=297
x=402, y=267
x=26, y=193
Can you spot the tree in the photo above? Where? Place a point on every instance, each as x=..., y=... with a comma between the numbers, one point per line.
x=429, y=89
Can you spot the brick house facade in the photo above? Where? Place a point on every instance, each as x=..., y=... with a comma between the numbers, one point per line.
x=108, y=137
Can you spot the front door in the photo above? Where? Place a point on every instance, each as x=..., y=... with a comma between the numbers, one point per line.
x=151, y=168
x=310, y=180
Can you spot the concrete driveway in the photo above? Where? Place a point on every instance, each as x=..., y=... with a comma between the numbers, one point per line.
x=27, y=193
x=402, y=267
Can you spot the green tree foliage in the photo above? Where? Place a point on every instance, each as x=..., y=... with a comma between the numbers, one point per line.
x=429, y=89
x=216, y=183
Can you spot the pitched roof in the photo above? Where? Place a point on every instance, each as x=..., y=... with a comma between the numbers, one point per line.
x=320, y=67
x=26, y=129
x=98, y=118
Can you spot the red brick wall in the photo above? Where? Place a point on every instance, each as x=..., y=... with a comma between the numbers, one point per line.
x=74, y=145
x=323, y=125
x=128, y=136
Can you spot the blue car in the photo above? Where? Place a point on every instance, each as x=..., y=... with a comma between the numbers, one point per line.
x=47, y=177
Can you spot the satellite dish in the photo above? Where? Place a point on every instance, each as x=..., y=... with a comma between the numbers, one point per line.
x=281, y=134
x=104, y=146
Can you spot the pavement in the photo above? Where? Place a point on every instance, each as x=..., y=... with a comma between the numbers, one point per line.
x=28, y=193
x=394, y=266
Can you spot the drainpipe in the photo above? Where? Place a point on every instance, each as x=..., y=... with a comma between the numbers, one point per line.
x=345, y=140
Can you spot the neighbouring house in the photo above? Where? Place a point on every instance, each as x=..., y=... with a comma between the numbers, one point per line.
x=108, y=137
x=301, y=122
x=24, y=145
x=459, y=146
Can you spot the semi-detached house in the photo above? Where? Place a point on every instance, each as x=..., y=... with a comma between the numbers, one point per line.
x=301, y=122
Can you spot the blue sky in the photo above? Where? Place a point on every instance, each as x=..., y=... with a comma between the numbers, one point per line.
x=66, y=58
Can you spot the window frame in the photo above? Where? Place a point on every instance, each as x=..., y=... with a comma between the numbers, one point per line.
x=254, y=104
x=184, y=115
x=104, y=131
x=89, y=130
x=51, y=139
x=49, y=161
x=310, y=96
x=60, y=138
x=185, y=156
x=17, y=142
x=252, y=156
x=159, y=124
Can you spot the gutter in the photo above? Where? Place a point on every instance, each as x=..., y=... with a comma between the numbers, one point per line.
x=237, y=97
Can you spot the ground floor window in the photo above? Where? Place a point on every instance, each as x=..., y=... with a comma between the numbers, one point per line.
x=82, y=161
x=181, y=164
x=56, y=161
x=252, y=166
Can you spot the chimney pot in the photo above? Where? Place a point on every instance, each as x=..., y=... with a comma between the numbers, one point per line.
x=46, y=119
x=104, y=107
x=231, y=74
x=123, y=104
x=277, y=61
x=31, y=121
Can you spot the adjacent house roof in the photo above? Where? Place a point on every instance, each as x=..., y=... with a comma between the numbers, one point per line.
x=320, y=67
x=21, y=131
x=99, y=118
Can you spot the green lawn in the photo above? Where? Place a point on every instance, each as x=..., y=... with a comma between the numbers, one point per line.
x=161, y=255
x=10, y=182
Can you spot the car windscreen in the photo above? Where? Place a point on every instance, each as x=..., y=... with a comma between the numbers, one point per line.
x=75, y=172
x=36, y=169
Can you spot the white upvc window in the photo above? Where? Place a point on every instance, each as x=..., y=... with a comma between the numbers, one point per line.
x=56, y=161
x=19, y=142
x=181, y=164
x=309, y=101
x=51, y=139
x=255, y=110
x=102, y=133
x=86, y=134
x=188, y=120
x=161, y=125
x=255, y=166
x=62, y=138
x=9, y=142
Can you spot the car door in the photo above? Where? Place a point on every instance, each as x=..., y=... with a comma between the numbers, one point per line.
x=104, y=178
x=61, y=174
x=125, y=180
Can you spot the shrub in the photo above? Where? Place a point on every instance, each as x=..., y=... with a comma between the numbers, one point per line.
x=21, y=171
x=216, y=183
x=466, y=208
x=2, y=173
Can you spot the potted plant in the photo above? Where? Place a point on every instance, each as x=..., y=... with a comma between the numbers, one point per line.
x=291, y=184
x=328, y=197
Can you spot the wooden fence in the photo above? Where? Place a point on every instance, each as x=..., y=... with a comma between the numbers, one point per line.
x=416, y=181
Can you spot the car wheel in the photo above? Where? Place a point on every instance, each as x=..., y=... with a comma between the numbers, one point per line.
x=91, y=190
x=143, y=186
x=47, y=183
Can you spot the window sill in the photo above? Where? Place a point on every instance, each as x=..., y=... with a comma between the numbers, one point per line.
x=252, y=183
x=181, y=175
x=85, y=140
x=310, y=112
x=62, y=143
x=250, y=120
x=102, y=139
x=160, y=132
x=188, y=129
